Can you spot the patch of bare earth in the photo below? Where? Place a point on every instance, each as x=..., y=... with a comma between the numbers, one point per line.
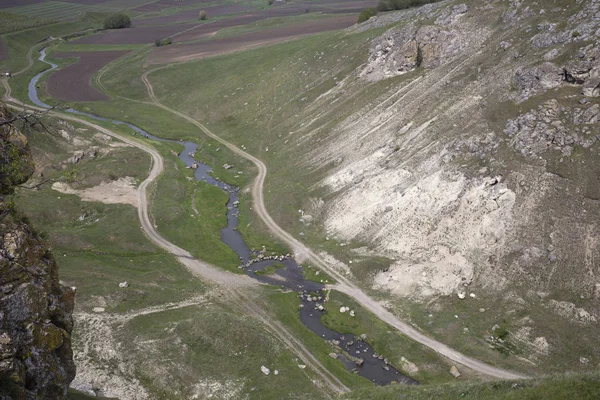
x=121, y=191
x=74, y=82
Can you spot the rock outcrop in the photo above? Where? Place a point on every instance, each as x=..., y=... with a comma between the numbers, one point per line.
x=36, y=361
x=401, y=50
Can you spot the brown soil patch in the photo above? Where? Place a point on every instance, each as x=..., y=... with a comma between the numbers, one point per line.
x=162, y=4
x=150, y=7
x=136, y=35
x=121, y=191
x=337, y=7
x=86, y=2
x=3, y=51
x=73, y=83
x=17, y=3
x=192, y=15
x=190, y=51
x=208, y=29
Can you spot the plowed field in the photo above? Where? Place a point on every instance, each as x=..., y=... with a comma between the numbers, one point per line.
x=73, y=83
x=16, y=3
x=192, y=15
x=184, y=52
x=135, y=35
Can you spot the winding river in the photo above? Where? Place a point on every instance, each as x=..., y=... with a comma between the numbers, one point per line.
x=357, y=355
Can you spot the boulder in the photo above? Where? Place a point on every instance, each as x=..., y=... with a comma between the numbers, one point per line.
x=77, y=156
x=454, y=371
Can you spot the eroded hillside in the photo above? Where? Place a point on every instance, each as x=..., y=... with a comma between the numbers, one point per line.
x=445, y=155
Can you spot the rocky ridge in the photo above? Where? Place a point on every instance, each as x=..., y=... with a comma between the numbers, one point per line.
x=36, y=361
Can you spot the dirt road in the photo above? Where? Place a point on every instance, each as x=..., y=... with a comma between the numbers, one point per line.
x=302, y=252
x=240, y=288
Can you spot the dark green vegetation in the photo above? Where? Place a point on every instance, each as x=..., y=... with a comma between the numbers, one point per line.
x=555, y=387
x=270, y=270
x=366, y=14
x=117, y=21
x=15, y=159
x=162, y=42
x=390, y=5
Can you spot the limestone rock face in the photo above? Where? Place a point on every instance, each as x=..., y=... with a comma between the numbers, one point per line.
x=401, y=50
x=15, y=160
x=36, y=361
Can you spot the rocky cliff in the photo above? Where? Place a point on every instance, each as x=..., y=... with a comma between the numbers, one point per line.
x=35, y=309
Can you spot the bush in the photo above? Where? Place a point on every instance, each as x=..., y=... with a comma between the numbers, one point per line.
x=163, y=42
x=270, y=2
x=117, y=21
x=390, y=5
x=365, y=15
x=202, y=15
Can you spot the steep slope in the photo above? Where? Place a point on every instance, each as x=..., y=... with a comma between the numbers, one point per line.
x=445, y=155
x=35, y=309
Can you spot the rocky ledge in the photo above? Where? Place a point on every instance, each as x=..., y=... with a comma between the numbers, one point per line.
x=36, y=361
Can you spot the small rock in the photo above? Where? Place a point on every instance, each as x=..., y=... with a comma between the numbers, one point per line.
x=482, y=310
x=98, y=309
x=275, y=372
x=333, y=355
x=461, y=295
x=584, y=360
x=124, y=284
x=363, y=336
x=472, y=295
x=352, y=313
x=301, y=366
x=265, y=370
x=227, y=166
x=454, y=371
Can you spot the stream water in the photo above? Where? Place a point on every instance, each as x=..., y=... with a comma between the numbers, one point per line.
x=357, y=355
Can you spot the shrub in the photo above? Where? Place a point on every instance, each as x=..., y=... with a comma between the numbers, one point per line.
x=202, y=15
x=163, y=42
x=365, y=15
x=270, y=2
x=117, y=21
x=390, y=5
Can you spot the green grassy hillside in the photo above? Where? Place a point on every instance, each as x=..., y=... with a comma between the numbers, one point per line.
x=558, y=387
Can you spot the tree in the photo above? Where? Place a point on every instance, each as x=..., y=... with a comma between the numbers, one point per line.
x=365, y=15
x=202, y=15
x=117, y=21
x=163, y=42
